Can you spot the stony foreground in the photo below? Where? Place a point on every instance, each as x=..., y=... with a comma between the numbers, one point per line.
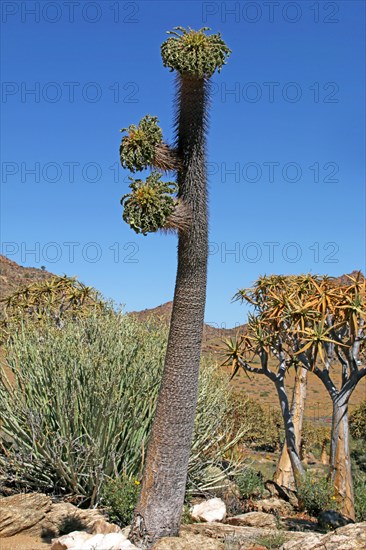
x=33, y=522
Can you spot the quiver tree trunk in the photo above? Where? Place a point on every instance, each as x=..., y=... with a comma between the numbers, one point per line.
x=290, y=436
x=159, y=509
x=284, y=474
x=340, y=460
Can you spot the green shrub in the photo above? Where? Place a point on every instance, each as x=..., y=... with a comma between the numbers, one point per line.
x=262, y=428
x=316, y=494
x=272, y=541
x=358, y=454
x=81, y=402
x=359, y=482
x=150, y=203
x=119, y=496
x=250, y=483
x=357, y=422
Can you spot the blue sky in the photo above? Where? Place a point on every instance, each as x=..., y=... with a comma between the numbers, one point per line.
x=286, y=143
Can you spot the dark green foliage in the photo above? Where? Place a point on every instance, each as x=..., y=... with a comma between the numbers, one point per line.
x=250, y=483
x=120, y=496
x=137, y=150
x=357, y=422
x=263, y=428
x=271, y=541
x=77, y=405
x=194, y=53
x=80, y=404
x=148, y=206
x=316, y=494
x=359, y=485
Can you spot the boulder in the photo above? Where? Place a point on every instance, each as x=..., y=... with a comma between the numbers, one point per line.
x=272, y=505
x=188, y=541
x=282, y=492
x=349, y=537
x=213, y=509
x=64, y=517
x=86, y=541
x=253, y=519
x=34, y=514
x=20, y=513
x=74, y=539
x=103, y=527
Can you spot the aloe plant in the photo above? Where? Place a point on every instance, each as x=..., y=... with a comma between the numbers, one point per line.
x=194, y=56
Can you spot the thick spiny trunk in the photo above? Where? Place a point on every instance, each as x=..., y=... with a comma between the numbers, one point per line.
x=284, y=474
x=291, y=443
x=159, y=510
x=340, y=460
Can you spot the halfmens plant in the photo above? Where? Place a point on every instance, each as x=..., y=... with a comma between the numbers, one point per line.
x=194, y=56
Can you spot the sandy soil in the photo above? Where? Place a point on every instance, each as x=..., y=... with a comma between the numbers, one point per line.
x=23, y=542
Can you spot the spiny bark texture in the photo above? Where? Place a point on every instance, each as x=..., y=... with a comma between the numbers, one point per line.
x=284, y=475
x=159, y=510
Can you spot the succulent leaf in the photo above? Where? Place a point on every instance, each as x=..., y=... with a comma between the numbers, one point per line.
x=194, y=53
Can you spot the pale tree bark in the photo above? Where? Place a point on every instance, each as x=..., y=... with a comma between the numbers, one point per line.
x=340, y=470
x=290, y=434
x=340, y=460
x=284, y=474
x=159, y=509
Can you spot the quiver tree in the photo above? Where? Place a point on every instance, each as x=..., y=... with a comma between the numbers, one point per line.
x=194, y=56
x=262, y=343
x=320, y=325
x=56, y=298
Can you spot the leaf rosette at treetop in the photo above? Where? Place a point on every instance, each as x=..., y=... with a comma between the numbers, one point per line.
x=194, y=53
x=149, y=205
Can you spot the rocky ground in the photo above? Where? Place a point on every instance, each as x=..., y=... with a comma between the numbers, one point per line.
x=34, y=522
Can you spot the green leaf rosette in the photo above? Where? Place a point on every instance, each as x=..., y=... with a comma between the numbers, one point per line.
x=149, y=204
x=194, y=53
x=137, y=150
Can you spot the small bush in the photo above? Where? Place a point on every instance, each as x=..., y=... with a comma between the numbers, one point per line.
x=120, y=496
x=263, y=428
x=250, y=483
x=359, y=483
x=315, y=495
x=77, y=403
x=357, y=422
x=272, y=541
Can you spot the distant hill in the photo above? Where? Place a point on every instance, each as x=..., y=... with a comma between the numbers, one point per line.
x=13, y=276
x=211, y=335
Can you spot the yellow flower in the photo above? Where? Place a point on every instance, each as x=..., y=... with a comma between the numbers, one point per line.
x=137, y=482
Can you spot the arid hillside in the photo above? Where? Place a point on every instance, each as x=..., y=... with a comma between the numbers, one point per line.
x=14, y=276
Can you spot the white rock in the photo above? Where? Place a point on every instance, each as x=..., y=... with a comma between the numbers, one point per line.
x=213, y=509
x=84, y=541
x=111, y=541
x=73, y=540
